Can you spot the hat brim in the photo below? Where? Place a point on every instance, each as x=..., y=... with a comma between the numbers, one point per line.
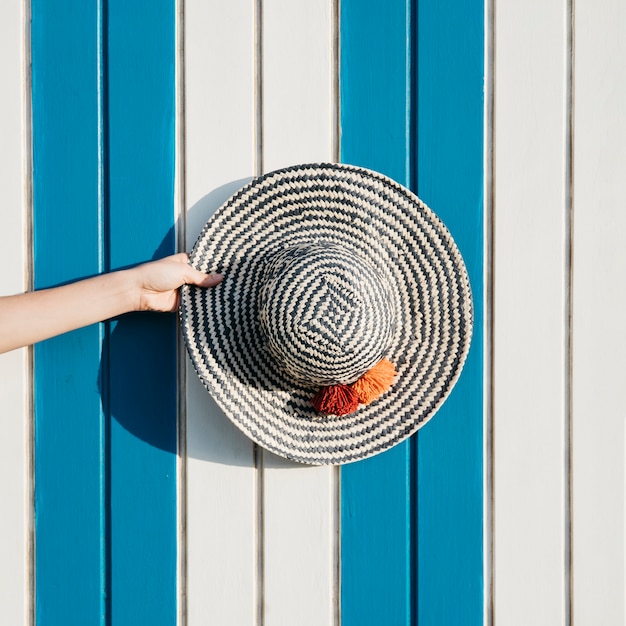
x=374, y=218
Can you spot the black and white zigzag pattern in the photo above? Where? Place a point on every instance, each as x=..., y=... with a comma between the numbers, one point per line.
x=315, y=257
x=326, y=315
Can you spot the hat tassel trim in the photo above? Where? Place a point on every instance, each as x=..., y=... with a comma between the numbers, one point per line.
x=345, y=399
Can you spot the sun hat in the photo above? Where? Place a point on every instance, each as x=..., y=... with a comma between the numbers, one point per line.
x=344, y=317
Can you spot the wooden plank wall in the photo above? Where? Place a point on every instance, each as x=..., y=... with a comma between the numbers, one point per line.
x=258, y=527
x=378, y=494
x=531, y=266
x=252, y=539
x=412, y=107
x=15, y=520
x=598, y=410
x=105, y=407
x=283, y=515
x=559, y=131
x=221, y=550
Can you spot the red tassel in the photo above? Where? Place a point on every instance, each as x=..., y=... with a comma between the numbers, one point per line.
x=375, y=382
x=336, y=400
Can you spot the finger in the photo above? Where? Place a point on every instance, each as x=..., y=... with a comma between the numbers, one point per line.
x=211, y=280
x=200, y=279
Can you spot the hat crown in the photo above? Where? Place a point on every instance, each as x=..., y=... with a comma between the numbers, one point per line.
x=326, y=314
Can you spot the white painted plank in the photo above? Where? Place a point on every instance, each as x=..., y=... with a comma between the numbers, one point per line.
x=221, y=516
x=530, y=340
x=599, y=302
x=14, y=385
x=300, y=547
x=298, y=98
x=300, y=503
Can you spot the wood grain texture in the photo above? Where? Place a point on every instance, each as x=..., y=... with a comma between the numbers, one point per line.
x=222, y=513
x=412, y=107
x=300, y=528
x=142, y=356
x=69, y=420
x=297, y=57
x=599, y=298
x=105, y=396
x=14, y=388
x=299, y=502
x=377, y=533
x=450, y=179
x=530, y=314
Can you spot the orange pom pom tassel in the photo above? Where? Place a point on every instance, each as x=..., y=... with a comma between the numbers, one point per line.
x=375, y=382
x=336, y=400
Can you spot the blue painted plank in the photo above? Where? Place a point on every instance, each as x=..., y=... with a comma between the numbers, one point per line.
x=142, y=384
x=105, y=396
x=376, y=119
x=412, y=107
x=69, y=429
x=375, y=86
x=450, y=51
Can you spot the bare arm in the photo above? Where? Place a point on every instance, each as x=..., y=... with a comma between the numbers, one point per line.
x=31, y=317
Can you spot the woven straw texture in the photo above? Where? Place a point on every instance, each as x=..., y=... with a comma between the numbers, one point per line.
x=328, y=268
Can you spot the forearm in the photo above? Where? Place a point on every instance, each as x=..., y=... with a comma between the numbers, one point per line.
x=31, y=317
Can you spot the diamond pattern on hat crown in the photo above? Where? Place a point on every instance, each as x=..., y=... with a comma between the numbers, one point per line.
x=325, y=312
x=339, y=317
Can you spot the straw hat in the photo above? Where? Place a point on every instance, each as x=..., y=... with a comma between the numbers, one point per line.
x=344, y=318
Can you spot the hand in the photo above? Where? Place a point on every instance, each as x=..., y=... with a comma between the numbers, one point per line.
x=30, y=317
x=158, y=282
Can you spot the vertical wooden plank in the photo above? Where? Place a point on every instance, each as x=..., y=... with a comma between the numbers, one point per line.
x=375, y=86
x=530, y=313
x=447, y=479
x=599, y=336
x=377, y=534
x=298, y=79
x=142, y=394
x=220, y=148
x=69, y=425
x=299, y=503
x=449, y=178
x=14, y=389
x=299, y=513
